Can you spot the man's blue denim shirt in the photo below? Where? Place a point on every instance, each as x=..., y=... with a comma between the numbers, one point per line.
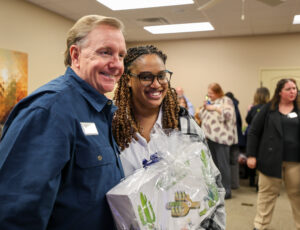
x=58, y=159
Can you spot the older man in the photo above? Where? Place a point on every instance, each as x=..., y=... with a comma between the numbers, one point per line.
x=58, y=156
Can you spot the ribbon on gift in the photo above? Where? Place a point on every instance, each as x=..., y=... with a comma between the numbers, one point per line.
x=153, y=159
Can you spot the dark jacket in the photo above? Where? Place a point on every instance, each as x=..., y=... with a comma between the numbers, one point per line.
x=252, y=112
x=265, y=141
x=250, y=116
x=54, y=169
x=241, y=137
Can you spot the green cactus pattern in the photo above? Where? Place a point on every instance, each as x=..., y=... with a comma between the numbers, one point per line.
x=203, y=212
x=213, y=195
x=182, y=204
x=203, y=158
x=146, y=213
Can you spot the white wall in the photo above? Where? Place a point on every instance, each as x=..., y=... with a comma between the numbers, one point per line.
x=39, y=33
x=233, y=62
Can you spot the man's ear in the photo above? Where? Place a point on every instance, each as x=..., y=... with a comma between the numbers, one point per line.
x=74, y=53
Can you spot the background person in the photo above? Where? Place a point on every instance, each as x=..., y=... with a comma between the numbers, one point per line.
x=58, y=156
x=180, y=93
x=182, y=102
x=219, y=124
x=235, y=149
x=147, y=103
x=273, y=146
x=261, y=97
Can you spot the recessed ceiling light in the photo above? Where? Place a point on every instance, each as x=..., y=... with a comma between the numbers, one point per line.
x=180, y=28
x=296, y=19
x=136, y=4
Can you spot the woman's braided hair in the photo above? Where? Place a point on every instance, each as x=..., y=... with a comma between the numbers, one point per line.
x=124, y=125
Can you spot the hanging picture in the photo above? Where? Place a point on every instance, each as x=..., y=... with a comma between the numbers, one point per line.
x=13, y=81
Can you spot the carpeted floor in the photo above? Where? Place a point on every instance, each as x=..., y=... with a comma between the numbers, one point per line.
x=241, y=209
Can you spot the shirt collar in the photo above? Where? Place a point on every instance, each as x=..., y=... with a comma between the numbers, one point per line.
x=158, y=123
x=96, y=99
x=157, y=126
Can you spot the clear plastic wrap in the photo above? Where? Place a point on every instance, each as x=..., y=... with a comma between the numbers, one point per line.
x=177, y=192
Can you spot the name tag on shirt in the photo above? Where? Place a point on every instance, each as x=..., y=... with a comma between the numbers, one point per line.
x=89, y=128
x=292, y=115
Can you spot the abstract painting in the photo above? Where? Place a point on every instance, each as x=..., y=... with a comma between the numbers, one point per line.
x=13, y=81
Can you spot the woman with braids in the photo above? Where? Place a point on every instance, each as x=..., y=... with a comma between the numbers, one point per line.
x=147, y=103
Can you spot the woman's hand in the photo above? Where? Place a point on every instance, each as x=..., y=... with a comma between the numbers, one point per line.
x=212, y=108
x=251, y=162
x=197, y=116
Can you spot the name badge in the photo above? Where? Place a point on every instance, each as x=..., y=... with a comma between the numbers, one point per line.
x=89, y=128
x=292, y=115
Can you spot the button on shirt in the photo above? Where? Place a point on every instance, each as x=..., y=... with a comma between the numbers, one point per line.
x=138, y=150
x=58, y=159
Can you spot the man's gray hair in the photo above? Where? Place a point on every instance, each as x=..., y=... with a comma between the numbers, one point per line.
x=83, y=27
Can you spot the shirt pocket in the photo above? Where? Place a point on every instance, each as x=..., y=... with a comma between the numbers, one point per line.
x=94, y=156
x=94, y=174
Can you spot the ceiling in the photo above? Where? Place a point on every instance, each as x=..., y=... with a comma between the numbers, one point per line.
x=261, y=17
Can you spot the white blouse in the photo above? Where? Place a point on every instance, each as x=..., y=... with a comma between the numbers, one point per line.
x=138, y=150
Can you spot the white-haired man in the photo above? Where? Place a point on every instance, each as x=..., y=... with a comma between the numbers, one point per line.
x=58, y=156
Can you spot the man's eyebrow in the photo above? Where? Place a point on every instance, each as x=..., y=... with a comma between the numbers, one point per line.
x=106, y=47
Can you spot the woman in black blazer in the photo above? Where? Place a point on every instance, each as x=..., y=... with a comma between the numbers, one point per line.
x=273, y=147
x=261, y=97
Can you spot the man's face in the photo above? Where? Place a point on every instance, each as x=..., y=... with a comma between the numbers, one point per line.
x=179, y=91
x=99, y=58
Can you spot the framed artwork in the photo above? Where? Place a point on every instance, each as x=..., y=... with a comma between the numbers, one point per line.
x=13, y=81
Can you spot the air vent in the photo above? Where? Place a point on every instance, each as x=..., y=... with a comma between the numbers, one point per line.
x=272, y=2
x=153, y=21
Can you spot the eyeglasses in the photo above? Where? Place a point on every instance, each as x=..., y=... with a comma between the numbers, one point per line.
x=147, y=78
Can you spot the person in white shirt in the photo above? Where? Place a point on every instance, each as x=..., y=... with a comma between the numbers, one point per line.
x=147, y=103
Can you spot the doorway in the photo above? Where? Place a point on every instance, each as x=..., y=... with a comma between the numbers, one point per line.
x=270, y=77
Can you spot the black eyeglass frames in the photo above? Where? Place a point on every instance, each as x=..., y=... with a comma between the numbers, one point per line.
x=147, y=78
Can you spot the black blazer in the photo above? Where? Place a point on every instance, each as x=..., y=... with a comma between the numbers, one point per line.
x=252, y=112
x=265, y=141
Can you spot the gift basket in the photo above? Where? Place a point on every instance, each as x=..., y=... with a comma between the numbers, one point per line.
x=176, y=189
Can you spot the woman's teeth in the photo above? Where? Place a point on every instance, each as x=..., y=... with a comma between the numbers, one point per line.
x=156, y=93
